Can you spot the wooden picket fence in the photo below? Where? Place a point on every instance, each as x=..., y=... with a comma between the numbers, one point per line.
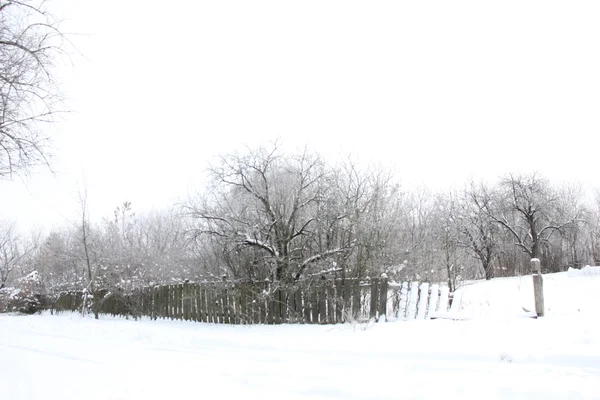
x=306, y=302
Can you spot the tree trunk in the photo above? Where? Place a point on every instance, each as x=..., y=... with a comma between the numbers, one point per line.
x=489, y=271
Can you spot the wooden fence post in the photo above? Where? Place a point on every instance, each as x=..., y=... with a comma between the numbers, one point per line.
x=538, y=286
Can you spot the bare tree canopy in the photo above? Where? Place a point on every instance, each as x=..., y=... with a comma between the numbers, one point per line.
x=13, y=249
x=267, y=201
x=30, y=41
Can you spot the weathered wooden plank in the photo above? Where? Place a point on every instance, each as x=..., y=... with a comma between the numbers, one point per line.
x=210, y=304
x=270, y=303
x=339, y=302
x=277, y=306
x=202, y=304
x=191, y=295
x=219, y=304
x=314, y=304
x=234, y=305
x=198, y=302
x=185, y=302
x=444, y=297
x=374, y=298
x=172, y=301
x=159, y=306
x=383, y=296
x=179, y=301
x=413, y=298
x=157, y=303
x=298, y=316
x=263, y=303
x=152, y=302
x=538, y=287
x=356, y=298
x=250, y=312
x=403, y=300
x=198, y=309
x=154, y=313
x=236, y=300
x=243, y=304
x=229, y=306
x=434, y=295
x=174, y=308
x=255, y=303
x=291, y=313
x=148, y=301
x=142, y=303
x=167, y=301
x=330, y=303
x=225, y=299
x=306, y=304
x=423, y=297
x=193, y=302
x=322, y=304
x=347, y=293
x=287, y=296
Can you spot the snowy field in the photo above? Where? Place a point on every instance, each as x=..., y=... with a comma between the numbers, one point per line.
x=496, y=354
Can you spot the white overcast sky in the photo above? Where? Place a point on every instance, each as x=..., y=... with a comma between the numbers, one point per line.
x=441, y=90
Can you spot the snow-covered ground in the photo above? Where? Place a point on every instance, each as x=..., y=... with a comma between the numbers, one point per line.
x=493, y=355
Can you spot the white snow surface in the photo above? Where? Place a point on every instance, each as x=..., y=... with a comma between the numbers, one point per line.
x=495, y=354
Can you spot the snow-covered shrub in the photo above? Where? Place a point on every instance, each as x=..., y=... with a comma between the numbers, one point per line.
x=21, y=301
x=26, y=297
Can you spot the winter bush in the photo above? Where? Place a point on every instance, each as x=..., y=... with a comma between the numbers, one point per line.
x=26, y=298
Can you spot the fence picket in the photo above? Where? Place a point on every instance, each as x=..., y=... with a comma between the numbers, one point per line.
x=356, y=292
x=444, y=294
x=210, y=305
x=347, y=308
x=322, y=304
x=434, y=296
x=403, y=300
x=383, y=294
x=330, y=303
x=314, y=305
x=339, y=305
x=373, y=298
x=298, y=316
x=413, y=297
x=317, y=302
x=423, y=297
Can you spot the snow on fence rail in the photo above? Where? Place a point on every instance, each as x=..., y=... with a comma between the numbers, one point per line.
x=305, y=302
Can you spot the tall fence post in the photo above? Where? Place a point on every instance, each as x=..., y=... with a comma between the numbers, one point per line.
x=538, y=286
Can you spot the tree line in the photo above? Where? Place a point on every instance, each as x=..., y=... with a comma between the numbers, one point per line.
x=267, y=214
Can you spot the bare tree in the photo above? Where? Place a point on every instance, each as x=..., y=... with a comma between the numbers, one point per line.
x=266, y=201
x=478, y=232
x=11, y=252
x=527, y=207
x=362, y=209
x=86, y=246
x=30, y=41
